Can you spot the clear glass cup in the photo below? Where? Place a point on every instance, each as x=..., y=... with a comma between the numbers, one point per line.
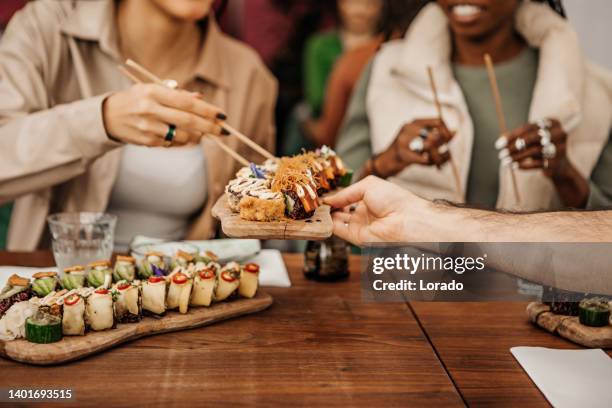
x=81, y=238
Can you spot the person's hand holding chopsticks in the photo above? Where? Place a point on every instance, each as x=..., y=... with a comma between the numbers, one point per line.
x=155, y=115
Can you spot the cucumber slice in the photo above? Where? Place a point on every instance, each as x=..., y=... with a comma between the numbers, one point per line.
x=594, y=312
x=346, y=180
x=43, y=329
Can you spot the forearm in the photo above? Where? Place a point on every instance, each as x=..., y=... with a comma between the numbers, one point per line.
x=573, y=189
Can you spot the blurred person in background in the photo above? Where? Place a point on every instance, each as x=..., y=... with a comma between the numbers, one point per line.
x=76, y=135
x=551, y=96
x=358, y=23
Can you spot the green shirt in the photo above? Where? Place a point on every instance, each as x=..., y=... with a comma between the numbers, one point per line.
x=516, y=79
x=321, y=53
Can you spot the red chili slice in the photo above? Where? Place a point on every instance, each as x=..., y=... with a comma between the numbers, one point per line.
x=155, y=279
x=72, y=300
x=123, y=286
x=253, y=268
x=207, y=274
x=226, y=276
x=179, y=278
x=102, y=291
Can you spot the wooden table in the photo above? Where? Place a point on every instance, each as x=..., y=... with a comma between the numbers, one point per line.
x=317, y=345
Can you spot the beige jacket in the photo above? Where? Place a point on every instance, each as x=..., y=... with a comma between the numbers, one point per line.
x=577, y=93
x=58, y=61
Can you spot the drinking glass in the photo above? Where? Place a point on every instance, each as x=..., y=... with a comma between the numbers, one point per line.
x=81, y=238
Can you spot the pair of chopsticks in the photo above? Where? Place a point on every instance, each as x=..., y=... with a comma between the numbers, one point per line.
x=155, y=79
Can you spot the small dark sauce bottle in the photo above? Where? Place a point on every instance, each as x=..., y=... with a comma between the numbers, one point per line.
x=326, y=261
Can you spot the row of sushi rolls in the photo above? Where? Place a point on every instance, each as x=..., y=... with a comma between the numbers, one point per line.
x=98, y=297
x=287, y=186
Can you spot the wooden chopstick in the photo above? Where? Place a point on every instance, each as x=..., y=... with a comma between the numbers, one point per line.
x=500, y=117
x=222, y=145
x=142, y=70
x=451, y=161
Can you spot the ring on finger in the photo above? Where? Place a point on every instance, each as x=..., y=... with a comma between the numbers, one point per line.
x=544, y=123
x=545, y=136
x=520, y=144
x=424, y=133
x=549, y=151
x=170, y=135
x=417, y=145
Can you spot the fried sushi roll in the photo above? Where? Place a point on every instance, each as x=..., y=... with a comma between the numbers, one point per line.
x=179, y=291
x=44, y=283
x=153, y=264
x=73, y=318
x=154, y=295
x=125, y=269
x=100, y=311
x=237, y=188
x=99, y=274
x=74, y=278
x=262, y=205
x=249, y=280
x=228, y=281
x=128, y=307
x=204, y=284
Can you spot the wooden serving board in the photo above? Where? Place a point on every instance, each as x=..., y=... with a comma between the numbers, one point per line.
x=316, y=228
x=569, y=327
x=72, y=348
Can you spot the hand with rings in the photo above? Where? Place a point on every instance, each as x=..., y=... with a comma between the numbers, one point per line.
x=155, y=115
x=540, y=145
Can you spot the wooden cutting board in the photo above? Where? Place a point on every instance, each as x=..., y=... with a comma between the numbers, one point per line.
x=72, y=348
x=316, y=228
x=569, y=327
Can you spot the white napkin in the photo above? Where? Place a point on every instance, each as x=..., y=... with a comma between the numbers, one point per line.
x=569, y=378
x=272, y=273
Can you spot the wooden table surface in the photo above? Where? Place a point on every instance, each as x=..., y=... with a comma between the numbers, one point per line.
x=316, y=345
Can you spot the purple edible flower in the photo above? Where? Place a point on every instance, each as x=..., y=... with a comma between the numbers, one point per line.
x=256, y=172
x=158, y=271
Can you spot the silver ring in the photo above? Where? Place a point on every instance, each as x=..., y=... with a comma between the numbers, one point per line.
x=545, y=136
x=520, y=144
x=170, y=83
x=544, y=123
x=417, y=145
x=423, y=133
x=549, y=151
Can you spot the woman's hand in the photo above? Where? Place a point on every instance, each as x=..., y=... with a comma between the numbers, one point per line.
x=543, y=145
x=143, y=114
x=374, y=210
x=423, y=141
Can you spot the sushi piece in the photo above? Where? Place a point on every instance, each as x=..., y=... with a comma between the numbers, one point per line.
x=99, y=274
x=237, y=188
x=99, y=310
x=301, y=201
x=43, y=328
x=154, y=295
x=153, y=264
x=74, y=278
x=179, y=290
x=15, y=290
x=594, y=312
x=52, y=303
x=125, y=269
x=262, y=205
x=128, y=303
x=204, y=284
x=73, y=318
x=182, y=259
x=205, y=257
x=44, y=283
x=249, y=280
x=228, y=281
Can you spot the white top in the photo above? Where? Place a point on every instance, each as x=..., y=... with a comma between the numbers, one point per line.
x=157, y=191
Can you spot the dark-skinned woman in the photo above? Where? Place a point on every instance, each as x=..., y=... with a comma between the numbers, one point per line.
x=557, y=105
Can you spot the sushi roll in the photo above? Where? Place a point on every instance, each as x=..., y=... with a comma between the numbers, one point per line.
x=237, y=188
x=127, y=303
x=262, y=205
x=44, y=283
x=99, y=274
x=154, y=295
x=182, y=259
x=15, y=290
x=301, y=201
x=205, y=257
x=249, y=280
x=99, y=310
x=52, y=303
x=73, y=318
x=228, y=281
x=125, y=269
x=204, y=284
x=74, y=278
x=153, y=264
x=179, y=290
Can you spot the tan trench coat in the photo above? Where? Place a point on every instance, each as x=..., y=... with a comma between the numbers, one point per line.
x=58, y=61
